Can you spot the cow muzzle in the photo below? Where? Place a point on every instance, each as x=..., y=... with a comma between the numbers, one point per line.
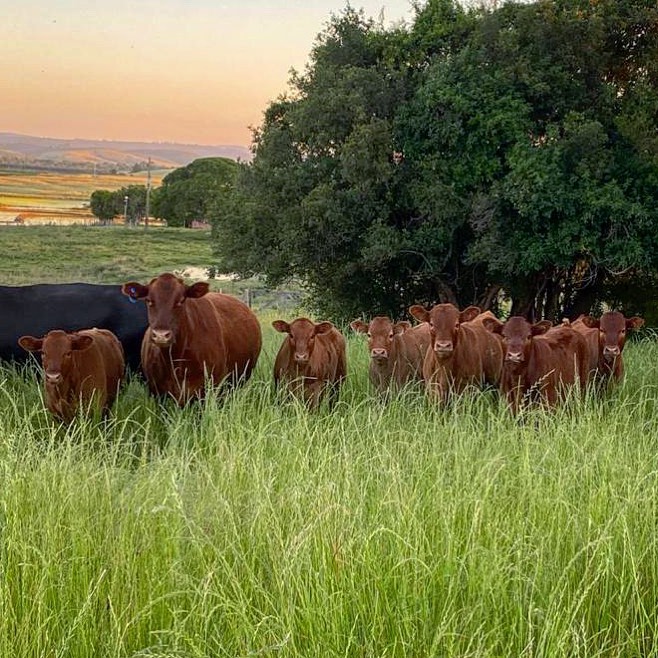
x=162, y=337
x=301, y=358
x=54, y=378
x=514, y=357
x=443, y=348
x=378, y=354
x=611, y=353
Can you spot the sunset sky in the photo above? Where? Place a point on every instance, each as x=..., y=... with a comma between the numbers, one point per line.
x=194, y=71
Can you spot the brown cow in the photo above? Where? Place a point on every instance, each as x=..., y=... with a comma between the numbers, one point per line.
x=396, y=350
x=310, y=360
x=461, y=351
x=606, y=337
x=81, y=369
x=541, y=362
x=194, y=335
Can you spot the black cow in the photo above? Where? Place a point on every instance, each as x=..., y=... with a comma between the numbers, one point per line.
x=35, y=310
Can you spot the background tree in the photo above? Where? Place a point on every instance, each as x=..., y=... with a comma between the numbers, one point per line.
x=190, y=193
x=136, y=207
x=103, y=204
x=529, y=166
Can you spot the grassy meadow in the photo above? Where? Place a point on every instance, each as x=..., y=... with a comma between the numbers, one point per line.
x=58, y=198
x=246, y=526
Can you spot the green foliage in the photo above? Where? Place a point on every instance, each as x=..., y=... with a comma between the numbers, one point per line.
x=245, y=526
x=530, y=166
x=129, y=202
x=103, y=204
x=194, y=192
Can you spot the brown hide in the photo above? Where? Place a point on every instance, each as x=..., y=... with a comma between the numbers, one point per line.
x=81, y=368
x=311, y=360
x=397, y=351
x=194, y=335
x=462, y=350
x=591, y=337
x=606, y=337
x=540, y=362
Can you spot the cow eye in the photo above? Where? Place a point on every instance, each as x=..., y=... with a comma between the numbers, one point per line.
x=149, y=302
x=623, y=331
x=369, y=335
x=390, y=336
x=180, y=302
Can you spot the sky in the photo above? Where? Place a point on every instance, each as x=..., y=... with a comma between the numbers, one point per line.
x=189, y=71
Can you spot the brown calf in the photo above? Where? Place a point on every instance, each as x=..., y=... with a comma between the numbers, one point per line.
x=81, y=368
x=606, y=337
x=310, y=360
x=461, y=351
x=194, y=335
x=541, y=362
x=397, y=351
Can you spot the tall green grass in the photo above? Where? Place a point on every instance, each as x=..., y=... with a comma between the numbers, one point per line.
x=244, y=526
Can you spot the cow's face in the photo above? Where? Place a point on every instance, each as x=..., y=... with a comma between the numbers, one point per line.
x=381, y=332
x=165, y=297
x=517, y=333
x=612, y=333
x=444, y=321
x=56, y=349
x=301, y=336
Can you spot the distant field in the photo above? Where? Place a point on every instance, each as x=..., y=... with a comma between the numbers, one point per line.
x=56, y=198
x=97, y=254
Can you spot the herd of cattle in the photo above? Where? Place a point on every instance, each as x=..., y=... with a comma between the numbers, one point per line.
x=184, y=336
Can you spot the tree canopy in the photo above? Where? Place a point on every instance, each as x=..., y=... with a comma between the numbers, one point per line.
x=192, y=192
x=129, y=200
x=473, y=156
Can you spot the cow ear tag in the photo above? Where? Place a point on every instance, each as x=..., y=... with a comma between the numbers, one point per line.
x=133, y=294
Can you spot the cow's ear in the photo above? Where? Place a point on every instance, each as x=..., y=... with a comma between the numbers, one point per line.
x=401, y=327
x=589, y=321
x=420, y=313
x=135, y=290
x=196, y=290
x=634, y=323
x=79, y=342
x=323, y=328
x=540, y=327
x=30, y=343
x=281, y=326
x=359, y=326
x=494, y=325
x=469, y=313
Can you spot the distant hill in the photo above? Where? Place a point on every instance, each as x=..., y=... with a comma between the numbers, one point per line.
x=25, y=151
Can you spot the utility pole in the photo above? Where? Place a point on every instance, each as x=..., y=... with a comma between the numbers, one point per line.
x=148, y=193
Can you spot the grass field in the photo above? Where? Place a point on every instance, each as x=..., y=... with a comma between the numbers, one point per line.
x=97, y=254
x=249, y=527
x=56, y=198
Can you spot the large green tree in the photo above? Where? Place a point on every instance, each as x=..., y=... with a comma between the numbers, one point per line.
x=191, y=193
x=129, y=201
x=474, y=156
x=103, y=204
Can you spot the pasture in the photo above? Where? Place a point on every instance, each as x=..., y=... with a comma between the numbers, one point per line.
x=58, y=198
x=246, y=526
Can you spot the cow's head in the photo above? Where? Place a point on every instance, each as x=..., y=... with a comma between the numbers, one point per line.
x=56, y=349
x=612, y=327
x=301, y=336
x=380, y=332
x=164, y=296
x=516, y=333
x=444, y=321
